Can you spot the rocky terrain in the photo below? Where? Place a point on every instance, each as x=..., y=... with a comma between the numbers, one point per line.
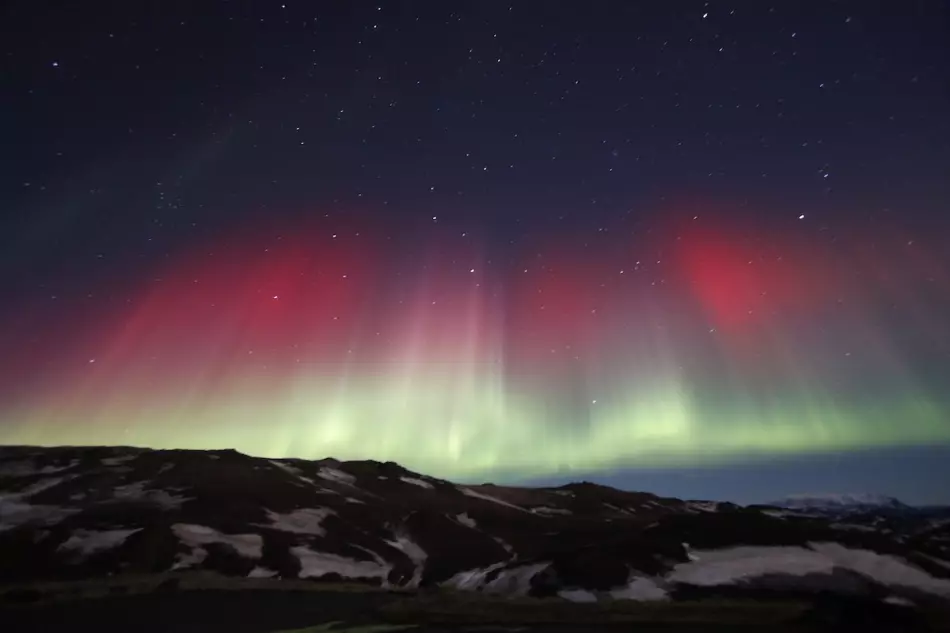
x=74, y=514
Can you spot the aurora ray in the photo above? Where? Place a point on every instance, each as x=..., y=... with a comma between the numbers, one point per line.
x=453, y=365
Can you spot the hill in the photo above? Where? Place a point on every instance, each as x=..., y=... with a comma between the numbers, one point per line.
x=71, y=514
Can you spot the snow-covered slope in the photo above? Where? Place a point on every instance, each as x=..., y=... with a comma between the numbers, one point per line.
x=838, y=502
x=79, y=512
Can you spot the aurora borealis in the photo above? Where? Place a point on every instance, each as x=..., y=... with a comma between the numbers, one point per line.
x=549, y=283
x=301, y=343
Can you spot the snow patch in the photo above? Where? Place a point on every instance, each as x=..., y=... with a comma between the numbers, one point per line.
x=379, y=559
x=39, y=486
x=889, y=570
x=137, y=492
x=287, y=468
x=337, y=475
x=640, y=588
x=937, y=561
x=854, y=527
x=466, y=520
x=468, y=492
x=86, y=542
x=261, y=572
x=117, y=460
x=415, y=553
x=293, y=470
x=352, y=500
x=689, y=552
x=549, y=511
x=300, y=521
x=195, y=536
x=504, y=544
x=472, y=579
x=316, y=564
x=417, y=482
x=837, y=501
x=26, y=468
x=728, y=566
x=577, y=595
x=195, y=557
x=14, y=513
x=778, y=514
x=515, y=581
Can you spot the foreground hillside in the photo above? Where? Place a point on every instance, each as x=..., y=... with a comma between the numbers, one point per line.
x=72, y=514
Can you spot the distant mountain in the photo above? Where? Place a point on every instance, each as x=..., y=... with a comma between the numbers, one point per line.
x=78, y=513
x=840, y=502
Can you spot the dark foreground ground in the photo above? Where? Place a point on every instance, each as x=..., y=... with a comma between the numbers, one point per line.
x=176, y=607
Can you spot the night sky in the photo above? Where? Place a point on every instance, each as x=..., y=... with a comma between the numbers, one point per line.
x=697, y=248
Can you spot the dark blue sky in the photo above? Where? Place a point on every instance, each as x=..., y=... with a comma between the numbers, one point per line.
x=916, y=476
